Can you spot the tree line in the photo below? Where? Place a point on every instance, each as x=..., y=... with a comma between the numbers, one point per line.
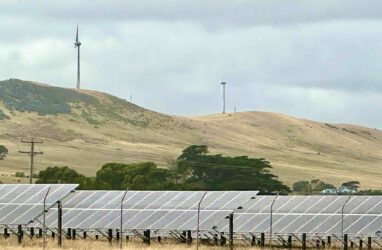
x=317, y=186
x=195, y=169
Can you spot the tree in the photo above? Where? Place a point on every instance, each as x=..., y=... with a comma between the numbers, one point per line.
x=3, y=152
x=351, y=184
x=137, y=176
x=64, y=175
x=318, y=185
x=203, y=171
x=301, y=187
x=307, y=187
x=370, y=192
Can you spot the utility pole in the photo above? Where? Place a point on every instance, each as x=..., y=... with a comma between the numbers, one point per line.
x=32, y=153
x=223, y=88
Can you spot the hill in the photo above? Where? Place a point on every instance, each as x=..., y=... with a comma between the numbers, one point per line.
x=84, y=129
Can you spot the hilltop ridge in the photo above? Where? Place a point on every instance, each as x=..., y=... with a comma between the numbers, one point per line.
x=85, y=129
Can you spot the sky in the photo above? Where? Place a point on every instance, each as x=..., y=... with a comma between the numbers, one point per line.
x=320, y=60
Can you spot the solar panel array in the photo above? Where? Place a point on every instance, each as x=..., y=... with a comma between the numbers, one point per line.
x=319, y=215
x=177, y=210
x=21, y=203
x=164, y=210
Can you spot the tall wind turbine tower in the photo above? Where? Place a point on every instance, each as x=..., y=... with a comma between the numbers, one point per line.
x=223, y=90
x=77, y=45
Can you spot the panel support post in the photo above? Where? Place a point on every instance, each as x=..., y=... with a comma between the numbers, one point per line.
x=189, y=237
x=184, y=237
x=69, y=233
x=59, y=223
x=303, y=241
x=5, y=232
x=117, y=235
x=74, y=233
x=19, y=234
x=289, y=241
x=223, y=240
x=31, y=231
x=329, y=240
x=262, y=239
x=369, y=243
x=40, y=232
x=253, y=241
x=110, y=235
x=216, y=239
x=345, y=241
x=84, y=235
x=360, y=243
x=147, y=239
x=230, y=218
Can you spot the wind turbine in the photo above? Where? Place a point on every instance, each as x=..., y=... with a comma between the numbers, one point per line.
x=77, y=45
x=223, y=91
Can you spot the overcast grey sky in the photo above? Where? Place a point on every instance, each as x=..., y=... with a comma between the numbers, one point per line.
x=320, y=60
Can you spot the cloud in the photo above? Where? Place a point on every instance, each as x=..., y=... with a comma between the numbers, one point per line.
x=318, y=60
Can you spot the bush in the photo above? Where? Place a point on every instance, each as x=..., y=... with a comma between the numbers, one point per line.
x=3, y=116
x=20, y=174
x=3, y=152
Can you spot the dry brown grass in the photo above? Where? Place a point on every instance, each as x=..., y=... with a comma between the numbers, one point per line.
x=298, y=149
x=36, y=244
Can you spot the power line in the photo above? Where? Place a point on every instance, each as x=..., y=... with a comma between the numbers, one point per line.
x=32, y=153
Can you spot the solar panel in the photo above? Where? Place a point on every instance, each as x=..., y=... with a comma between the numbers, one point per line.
x=21, y=203
x=167, y=210
x=320, y=215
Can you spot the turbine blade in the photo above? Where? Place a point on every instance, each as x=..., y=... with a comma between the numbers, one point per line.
x=77, y=34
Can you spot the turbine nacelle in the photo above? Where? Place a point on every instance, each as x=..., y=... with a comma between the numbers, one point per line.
x=77, y=43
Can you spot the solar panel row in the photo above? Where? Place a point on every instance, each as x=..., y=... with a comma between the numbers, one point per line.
x=320, y=215
x=20, y=203
x=165, y=210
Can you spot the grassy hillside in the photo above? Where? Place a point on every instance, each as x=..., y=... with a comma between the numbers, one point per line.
x=84, y=129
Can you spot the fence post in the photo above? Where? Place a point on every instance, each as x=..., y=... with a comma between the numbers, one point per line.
x=230, y=231
x=59, y=223
x=345, y=241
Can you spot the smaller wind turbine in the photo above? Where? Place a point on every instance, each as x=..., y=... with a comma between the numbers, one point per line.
x=77, y=45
